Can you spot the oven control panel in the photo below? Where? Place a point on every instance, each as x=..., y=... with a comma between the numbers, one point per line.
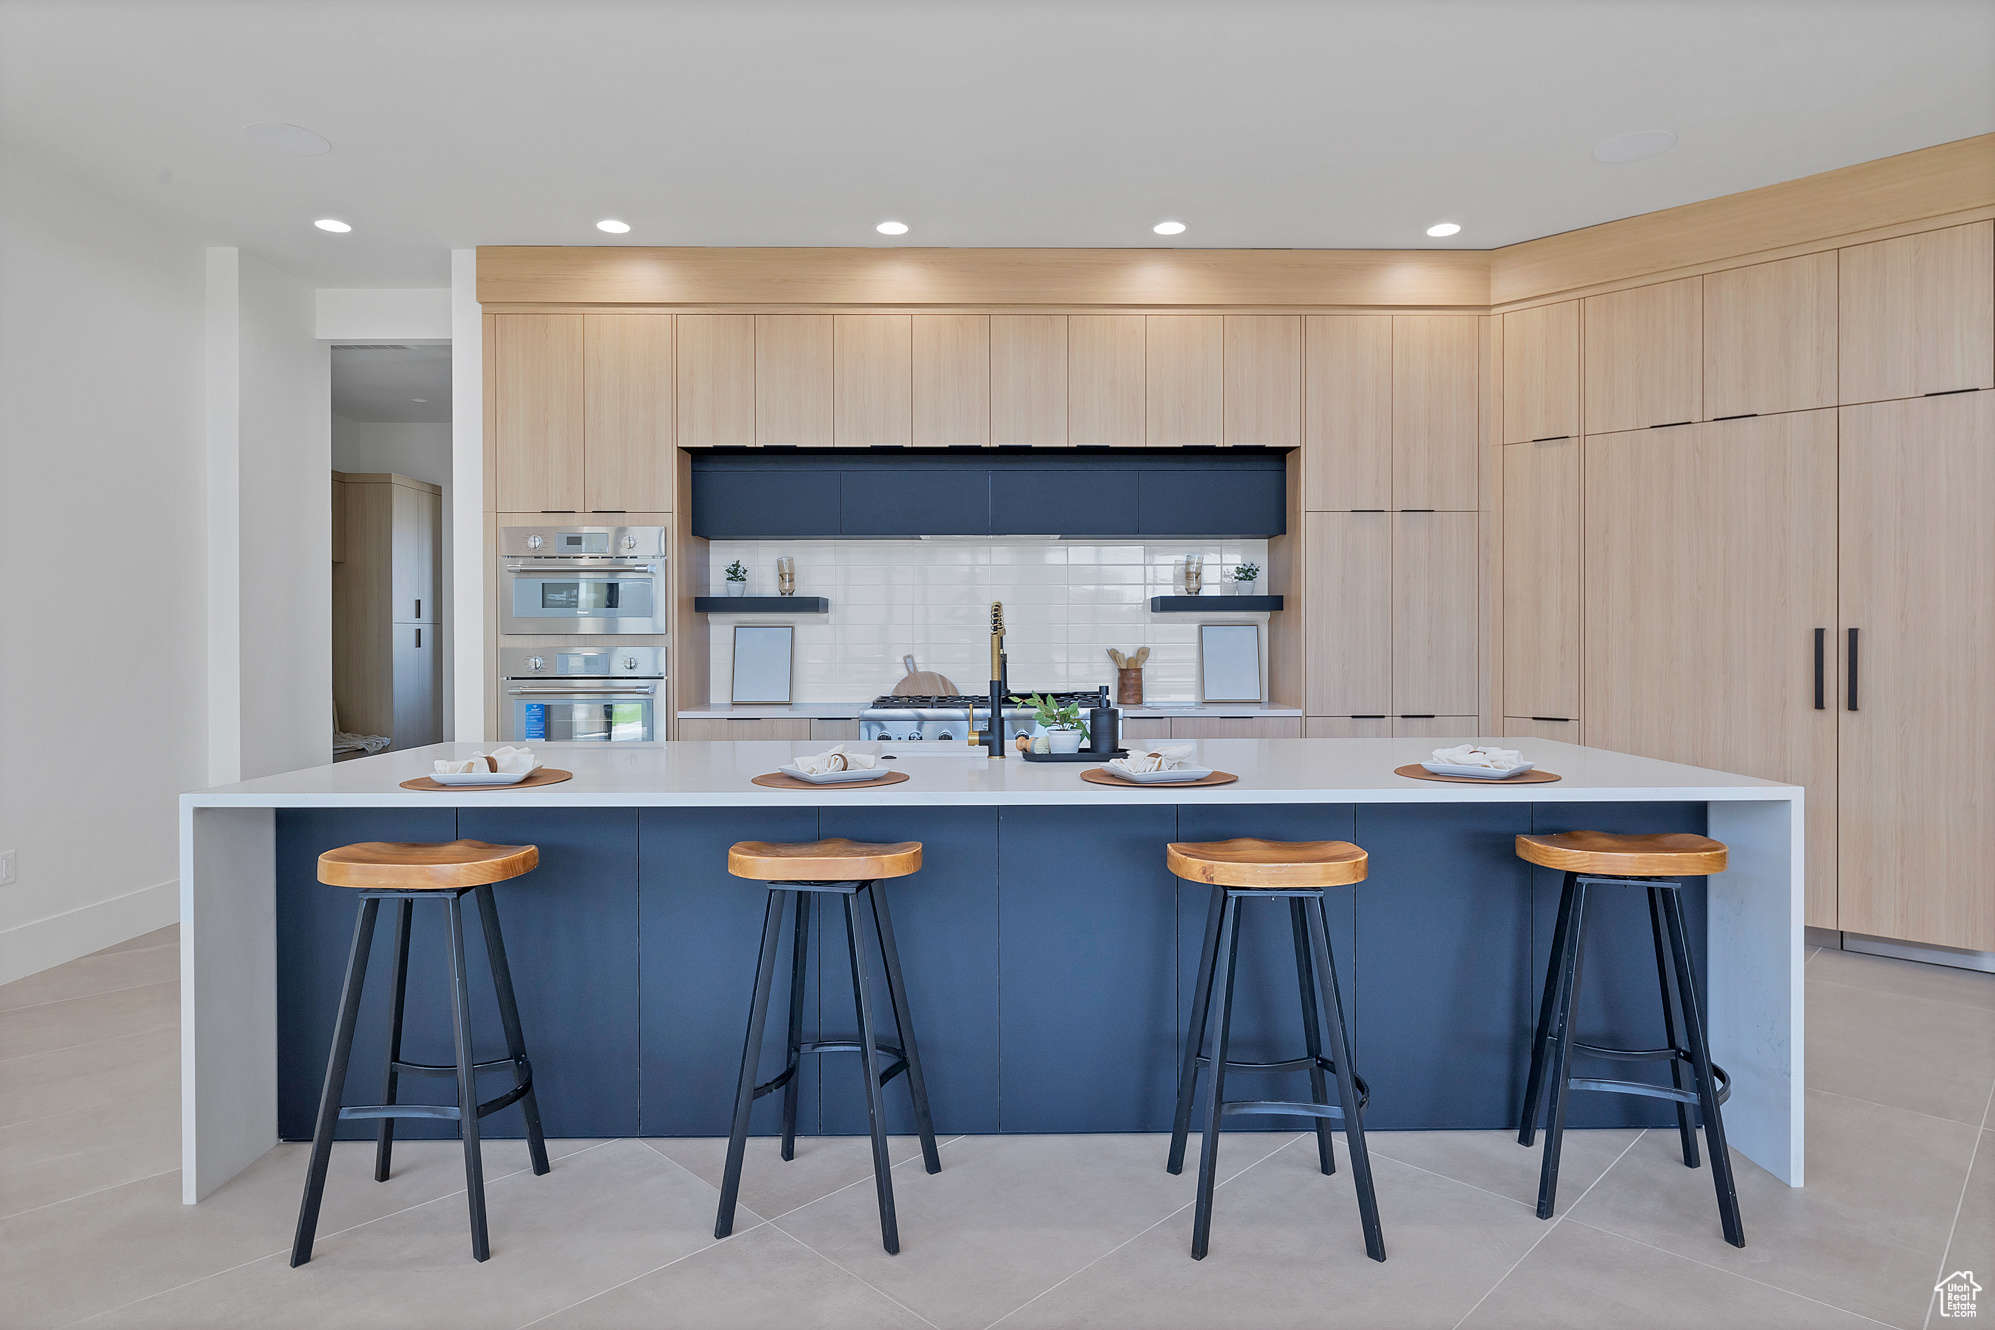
x=582, y=542
x=591, y=662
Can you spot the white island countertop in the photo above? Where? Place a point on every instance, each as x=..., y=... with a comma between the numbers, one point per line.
x=696, y=774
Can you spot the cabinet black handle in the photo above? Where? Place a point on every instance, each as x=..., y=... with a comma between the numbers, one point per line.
x=419, y=607
x=1821, y=649
x=1852, y=701
x=419, y=637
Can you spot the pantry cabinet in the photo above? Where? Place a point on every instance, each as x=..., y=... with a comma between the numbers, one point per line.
x=386, y=617
x=1918, y=314
x=1541, y=535
x=1770, y=337
x=1436, y=412
x=1645, y=356
x=1710, y=556
x=1347, y=412
x=1435, y=562
x=1347, y=625
x=1541, y=373
x=1915, y=723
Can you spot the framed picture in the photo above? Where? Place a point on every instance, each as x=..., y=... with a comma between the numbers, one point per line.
x=762, y=662
x=1229, y=662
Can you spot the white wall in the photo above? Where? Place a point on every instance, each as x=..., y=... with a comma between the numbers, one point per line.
x=416, y=314
x=1065, y=603
x=420, y=451
x=467, y=562
x=102, y=719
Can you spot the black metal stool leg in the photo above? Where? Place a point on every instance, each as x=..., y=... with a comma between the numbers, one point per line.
x=1560, y=1059
x=1201, y=998
x=917, y=1088
x=342, y=1049
x=1700, y=1062
x=1208, y=1146
x=751, y=1059
x=509, y=1018
x=1686, y=1127
x=1534, y=1086
x=799, y=976
x=384, y=1135
x=1312, y=1034
x=1347, y=1086
x=467, y=1081
x=869, y=1059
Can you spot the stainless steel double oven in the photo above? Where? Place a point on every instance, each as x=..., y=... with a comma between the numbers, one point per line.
x=598, y=582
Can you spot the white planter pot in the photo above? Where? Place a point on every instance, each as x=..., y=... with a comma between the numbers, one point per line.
x=1064, y=741
x=737, y=588
x=1252, y=588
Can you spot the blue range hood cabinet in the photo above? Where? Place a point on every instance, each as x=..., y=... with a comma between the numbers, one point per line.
x=1174, y=493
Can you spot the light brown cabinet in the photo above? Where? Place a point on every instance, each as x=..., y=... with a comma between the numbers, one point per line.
x=537, y=404
x=1710, y=557
x=716, y=378
x=872, y=380
x=415, y=547
x=1347, y=412
x=1770, y=337
x=1541, y=727
x=1541, y=534
x=627, y=413
x=1918, y=314
x=1436, y=406
x=1105, y=380
x=793, y=380
x=834, y=729
x=1264, y=380
x=1436, y=727
x=1236, y=727
x=1916, y=792
x=1347, y=727
x=1347, y=623
x=386, y=672
x=1435, y=562
x=730, y=729
x=1184, y=380
x=1145, y=729
x=1645, y=356
x=951, y=390
x=1541, y=373
x=1029, y=379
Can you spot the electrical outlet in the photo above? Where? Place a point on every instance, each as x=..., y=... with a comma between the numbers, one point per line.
x=6, y=868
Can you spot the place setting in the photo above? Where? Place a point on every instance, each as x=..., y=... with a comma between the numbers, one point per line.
x=1150, y=767
x=504, y=768
x=834, y=768
x=1475, y=764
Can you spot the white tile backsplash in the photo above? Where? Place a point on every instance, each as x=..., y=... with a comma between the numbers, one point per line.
x=1065, y=603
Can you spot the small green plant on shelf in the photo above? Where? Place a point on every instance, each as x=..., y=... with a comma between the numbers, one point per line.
x=1051, y=715
x=1247, y=573
x=737, y=578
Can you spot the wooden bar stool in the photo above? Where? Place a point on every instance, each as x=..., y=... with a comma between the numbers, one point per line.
x=845, y=869
x=1297, y=871
x=1592, y=859
x=403, y=873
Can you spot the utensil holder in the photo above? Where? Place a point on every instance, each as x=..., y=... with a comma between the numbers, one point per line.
x=1129, y=687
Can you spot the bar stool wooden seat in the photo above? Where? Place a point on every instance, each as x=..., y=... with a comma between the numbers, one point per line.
x=406, y=873
x=1300, y=872
x=1592, y=860
x=846, y=869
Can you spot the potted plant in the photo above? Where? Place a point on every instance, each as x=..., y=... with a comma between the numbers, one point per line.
x=737, y=578
x=1247, y=579
x=1065, y=730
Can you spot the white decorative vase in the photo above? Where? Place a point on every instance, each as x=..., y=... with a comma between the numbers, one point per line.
x=1064, y=741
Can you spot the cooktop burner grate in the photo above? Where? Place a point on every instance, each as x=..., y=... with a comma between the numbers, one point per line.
x=961, y=700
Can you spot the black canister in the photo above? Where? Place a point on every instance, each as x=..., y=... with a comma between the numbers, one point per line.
x=1104, y=730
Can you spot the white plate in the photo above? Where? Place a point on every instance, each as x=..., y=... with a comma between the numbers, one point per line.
x=836, y=777
x=1174, y=776
x=480, y=777
x=1478, y=773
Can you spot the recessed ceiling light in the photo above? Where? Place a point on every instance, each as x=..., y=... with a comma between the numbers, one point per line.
x=1439, y=229
x=613, y=226
x=294, y=139
x=1633, y=147
x=1169, y=228
x=892, y=228
x=331, y=224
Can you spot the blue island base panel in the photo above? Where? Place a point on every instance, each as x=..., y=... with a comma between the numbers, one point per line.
x=1049, y=957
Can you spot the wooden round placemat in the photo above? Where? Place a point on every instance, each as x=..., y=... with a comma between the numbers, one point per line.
x=776, y=780
x=544, y=776
x=1096, y=776
x=1531, y=777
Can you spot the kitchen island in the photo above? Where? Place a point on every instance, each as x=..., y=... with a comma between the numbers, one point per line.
x=1048, y=952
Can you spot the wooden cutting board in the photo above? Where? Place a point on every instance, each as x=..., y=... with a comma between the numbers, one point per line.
x=925, y=683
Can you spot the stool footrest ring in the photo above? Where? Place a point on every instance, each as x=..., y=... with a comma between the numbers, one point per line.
x=1721, y=1082
x=1251, y=1106
x=448, y=1112
x=887, y=1073
x=433, y=1069
x=1293, y=1064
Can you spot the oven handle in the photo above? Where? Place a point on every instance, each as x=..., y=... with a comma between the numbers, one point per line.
x=581, y=692
x=580, y=568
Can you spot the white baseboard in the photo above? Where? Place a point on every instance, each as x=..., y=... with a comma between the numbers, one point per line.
x=32, y=947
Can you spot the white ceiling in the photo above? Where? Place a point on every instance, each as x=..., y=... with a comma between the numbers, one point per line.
x=383, y=385
x=978, y=122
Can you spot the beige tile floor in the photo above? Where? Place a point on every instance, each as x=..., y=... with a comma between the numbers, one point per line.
x=1017, y=1231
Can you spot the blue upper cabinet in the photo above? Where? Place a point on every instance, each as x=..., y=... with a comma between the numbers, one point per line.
x=906, y=493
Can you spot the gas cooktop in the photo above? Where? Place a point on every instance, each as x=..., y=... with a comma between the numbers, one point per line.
x=891, y=701
x=943, y=719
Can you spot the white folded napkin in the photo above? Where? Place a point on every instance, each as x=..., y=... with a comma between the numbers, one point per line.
x=1142, y=761
x=835, y=759
x=504, y=758
x=1475, y=755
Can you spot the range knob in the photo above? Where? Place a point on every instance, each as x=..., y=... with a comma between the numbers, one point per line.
x=630, y=542
x=536, y=662
x=628, y=662
x=534, y=542
x=945, y=736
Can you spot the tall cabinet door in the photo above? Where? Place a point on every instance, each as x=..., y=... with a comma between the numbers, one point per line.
x=1710, y=556
x=1541, y=580
x=537, y=425
x=1436, y=406
x=1348, y=618
x=1435, y=558
x=628, y=413
x=1918, y=720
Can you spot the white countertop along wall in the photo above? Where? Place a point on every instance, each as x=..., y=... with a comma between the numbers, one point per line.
x=849, y=710
x=1065, y=603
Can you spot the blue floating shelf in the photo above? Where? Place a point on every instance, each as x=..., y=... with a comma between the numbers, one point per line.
x=761, y=604
x=1214, y=604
